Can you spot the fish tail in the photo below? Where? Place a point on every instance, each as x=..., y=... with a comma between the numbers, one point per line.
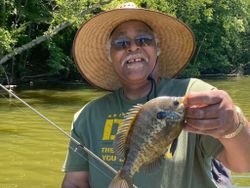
x=121, y=181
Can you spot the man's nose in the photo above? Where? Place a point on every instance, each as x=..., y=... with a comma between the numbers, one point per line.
x=133, y=46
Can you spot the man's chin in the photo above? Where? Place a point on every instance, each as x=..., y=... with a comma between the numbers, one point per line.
x=136, y=78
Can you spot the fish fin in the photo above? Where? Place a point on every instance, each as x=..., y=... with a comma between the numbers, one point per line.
x=153, y=166
x=171, y=149
x=173, y=146
x=120, y=182
x=121, y=138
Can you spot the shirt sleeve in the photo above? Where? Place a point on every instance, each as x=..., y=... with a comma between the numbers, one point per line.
x=197, y=85
x=209, y=146
x=76, y=158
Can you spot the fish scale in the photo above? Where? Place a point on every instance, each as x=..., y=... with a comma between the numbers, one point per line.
x=144, y=135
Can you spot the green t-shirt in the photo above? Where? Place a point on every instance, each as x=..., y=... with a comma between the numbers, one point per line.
x=95, y=126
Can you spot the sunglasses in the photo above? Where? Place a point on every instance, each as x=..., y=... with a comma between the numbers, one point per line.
x=142, y=40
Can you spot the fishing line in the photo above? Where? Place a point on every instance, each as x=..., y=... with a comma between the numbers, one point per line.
x=78, y=144
x=13, y=103
x=71, y=148
x=91, y=162
x=61, y=130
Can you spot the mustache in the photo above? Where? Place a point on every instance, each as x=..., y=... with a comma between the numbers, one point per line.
x=137, y=55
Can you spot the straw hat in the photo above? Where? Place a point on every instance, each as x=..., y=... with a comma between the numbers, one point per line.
x=176, y=40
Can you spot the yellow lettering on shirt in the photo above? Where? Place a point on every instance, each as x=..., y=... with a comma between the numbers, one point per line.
x=108, y=127
x=107, y=150
x=109, y=157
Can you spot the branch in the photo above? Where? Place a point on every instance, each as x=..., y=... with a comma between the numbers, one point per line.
x=198, y=50
x=35, y=76
x=47, y=35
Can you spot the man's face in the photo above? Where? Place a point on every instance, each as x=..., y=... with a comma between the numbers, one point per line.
x=133, y=51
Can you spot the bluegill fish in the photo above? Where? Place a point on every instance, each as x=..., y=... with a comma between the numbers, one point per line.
x=144, y=135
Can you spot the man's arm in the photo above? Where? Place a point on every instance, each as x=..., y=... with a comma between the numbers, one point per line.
x=213, y=113
x=78, y=179
x=236, y=153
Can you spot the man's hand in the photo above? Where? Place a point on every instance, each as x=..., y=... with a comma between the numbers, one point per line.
x=212, y=113
x=76, y=180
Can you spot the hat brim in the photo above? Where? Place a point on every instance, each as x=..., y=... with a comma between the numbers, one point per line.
x=176, y=39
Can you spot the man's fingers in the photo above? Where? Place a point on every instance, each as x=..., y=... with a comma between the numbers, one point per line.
x=212, y=132
x=202, y=99
x=210, y=113
x=203, y=125
x=205, y=112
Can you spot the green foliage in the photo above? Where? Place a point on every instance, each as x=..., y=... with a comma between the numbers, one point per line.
x=70, y=11
x=6, y=40
x=57, y=58
x=192, y=71
x=221, y=28
x=33, y=10
x=1, y=71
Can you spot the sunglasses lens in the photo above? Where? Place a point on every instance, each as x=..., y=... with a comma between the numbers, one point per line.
x=145, y=40
x=121, y=44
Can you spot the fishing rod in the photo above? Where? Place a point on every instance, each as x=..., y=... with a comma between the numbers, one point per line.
x=79, y=145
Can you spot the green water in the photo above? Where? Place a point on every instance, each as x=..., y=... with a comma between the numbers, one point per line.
x=33, y=152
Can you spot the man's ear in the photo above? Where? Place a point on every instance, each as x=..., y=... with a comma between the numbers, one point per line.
x=108, y=47
x=109, y=58
x=158, y=51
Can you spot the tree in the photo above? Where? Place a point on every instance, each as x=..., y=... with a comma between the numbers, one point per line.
x=36, y=36
x=49, y=17
x=221, y=28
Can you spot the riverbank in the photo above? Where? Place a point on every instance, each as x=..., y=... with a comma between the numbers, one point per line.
x=55, y=82
x=220, y=75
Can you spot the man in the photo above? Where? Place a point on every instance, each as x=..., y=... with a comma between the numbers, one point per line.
x=134, y=53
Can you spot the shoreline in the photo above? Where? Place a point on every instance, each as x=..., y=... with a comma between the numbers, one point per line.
x=81, y=82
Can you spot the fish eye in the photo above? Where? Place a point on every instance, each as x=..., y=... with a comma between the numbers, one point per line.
x=176, y=103
x=161, y=115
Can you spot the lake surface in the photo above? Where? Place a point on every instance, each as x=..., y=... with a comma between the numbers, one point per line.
x=33, y=152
